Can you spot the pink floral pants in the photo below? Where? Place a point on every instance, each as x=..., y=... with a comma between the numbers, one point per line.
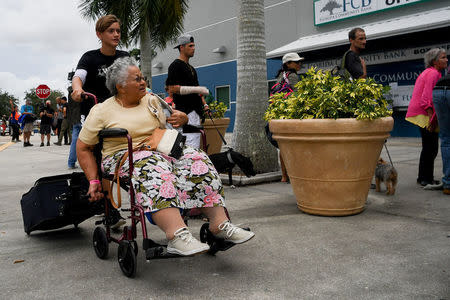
x=161, y=181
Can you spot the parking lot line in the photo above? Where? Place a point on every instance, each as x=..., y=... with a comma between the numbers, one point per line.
x=4, y=146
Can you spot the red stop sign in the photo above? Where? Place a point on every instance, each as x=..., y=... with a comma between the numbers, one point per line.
x=43, y=91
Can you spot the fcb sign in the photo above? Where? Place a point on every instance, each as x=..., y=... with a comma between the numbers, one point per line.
x=326, y=11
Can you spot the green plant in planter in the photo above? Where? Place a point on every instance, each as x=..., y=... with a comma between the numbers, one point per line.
x=217, y=109
x=320, y=95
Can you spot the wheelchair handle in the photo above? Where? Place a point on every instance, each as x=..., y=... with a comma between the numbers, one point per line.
x=112, y=132
x=86, y=95
x=189, y=128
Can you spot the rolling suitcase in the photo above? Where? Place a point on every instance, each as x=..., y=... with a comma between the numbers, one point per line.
x=57, y=201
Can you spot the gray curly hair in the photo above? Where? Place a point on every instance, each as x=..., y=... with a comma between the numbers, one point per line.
x=117, y=73
x=432, y=56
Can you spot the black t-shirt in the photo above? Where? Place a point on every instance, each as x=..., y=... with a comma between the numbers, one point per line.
x=353, y=65
x=182, y=73
x=45, y=119
x=96, y=63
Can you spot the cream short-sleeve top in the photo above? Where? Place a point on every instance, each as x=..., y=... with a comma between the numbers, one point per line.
x=138, y=120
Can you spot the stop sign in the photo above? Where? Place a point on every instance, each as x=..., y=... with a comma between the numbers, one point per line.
x=43, y=91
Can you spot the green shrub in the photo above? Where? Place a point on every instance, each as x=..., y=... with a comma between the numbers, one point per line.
x=320, y=95
x=217, y=109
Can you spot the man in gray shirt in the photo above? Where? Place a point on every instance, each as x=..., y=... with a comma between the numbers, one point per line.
x=354, y=64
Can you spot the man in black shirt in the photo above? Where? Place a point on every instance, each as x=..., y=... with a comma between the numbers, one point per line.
x=90, y=76
x=46, y=113
x=181, y=73
x=354, y=64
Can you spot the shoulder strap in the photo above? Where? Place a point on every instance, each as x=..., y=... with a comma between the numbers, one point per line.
x=286, y=77
x=343, y=59
x=145, y=144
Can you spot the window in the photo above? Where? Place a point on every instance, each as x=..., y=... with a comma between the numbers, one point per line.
x=223, y=95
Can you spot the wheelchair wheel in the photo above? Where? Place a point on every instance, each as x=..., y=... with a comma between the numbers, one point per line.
x=100, y=242
x=127, y=258
x=204, y=233
x=135, y=248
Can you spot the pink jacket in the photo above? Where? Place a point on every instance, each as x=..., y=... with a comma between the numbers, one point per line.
x=422, y=97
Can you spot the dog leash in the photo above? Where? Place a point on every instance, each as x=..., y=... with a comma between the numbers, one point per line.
x=387, y=151
x=221, y=136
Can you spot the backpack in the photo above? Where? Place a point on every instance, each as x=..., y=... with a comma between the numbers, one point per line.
x=341, y=71
x=283, y=86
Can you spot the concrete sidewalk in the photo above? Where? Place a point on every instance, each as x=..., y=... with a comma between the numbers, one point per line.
x=398, y=248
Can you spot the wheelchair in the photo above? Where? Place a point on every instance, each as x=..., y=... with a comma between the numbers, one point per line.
x=127, y=244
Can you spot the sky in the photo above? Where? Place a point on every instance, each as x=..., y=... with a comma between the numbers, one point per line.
x=41, y=41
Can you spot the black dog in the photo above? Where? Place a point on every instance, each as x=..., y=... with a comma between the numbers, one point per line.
x=225, y=162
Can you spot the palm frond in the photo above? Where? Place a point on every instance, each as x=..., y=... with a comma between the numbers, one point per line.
x=162, y=20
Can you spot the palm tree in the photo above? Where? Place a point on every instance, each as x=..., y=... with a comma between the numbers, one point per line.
x=151, y=23
x=249, y=136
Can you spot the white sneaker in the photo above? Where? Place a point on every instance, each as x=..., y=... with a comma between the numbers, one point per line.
x=232, y=233
x=185, y=244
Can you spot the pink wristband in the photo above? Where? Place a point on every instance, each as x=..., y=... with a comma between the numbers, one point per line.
x=94, y=181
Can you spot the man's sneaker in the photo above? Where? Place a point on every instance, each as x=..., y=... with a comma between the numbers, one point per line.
x=232, y=233
x=73, y=167
x=42, y=144
x=57, y=143
x=48, y=143
x=185, y=244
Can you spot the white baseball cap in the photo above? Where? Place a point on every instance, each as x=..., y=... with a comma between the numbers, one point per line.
x=292, y=57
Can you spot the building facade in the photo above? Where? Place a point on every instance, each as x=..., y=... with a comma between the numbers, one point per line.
x=398, y=33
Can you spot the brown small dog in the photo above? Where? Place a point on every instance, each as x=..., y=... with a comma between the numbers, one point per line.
x=386, y=173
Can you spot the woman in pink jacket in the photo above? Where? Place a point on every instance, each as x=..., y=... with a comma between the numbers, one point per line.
x=421, y=112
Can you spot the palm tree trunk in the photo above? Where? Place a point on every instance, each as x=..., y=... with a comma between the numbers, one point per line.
x=146, y=58
x=249, y=136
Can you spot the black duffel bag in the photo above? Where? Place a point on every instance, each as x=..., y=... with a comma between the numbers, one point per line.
x=57, y=201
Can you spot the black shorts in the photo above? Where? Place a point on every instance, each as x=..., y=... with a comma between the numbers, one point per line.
x=45, y=129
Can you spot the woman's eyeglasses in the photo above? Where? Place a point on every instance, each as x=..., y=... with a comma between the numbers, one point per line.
x=138, y=79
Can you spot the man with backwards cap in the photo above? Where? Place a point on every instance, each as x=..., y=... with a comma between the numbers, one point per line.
x=181, y=73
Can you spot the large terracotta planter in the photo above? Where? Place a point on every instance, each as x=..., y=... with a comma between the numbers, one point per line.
x=331, y=162
x=212, y=137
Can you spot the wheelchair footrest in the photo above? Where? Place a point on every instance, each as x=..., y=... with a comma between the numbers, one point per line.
x=154, y=250
x=220, y=245
x=159, y=252
x=215, y=244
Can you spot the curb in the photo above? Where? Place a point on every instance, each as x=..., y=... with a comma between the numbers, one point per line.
x=241, y=180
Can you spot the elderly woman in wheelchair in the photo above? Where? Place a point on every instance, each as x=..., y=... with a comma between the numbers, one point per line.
x=163, y=185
